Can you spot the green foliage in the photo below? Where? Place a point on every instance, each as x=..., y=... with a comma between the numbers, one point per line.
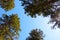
x=15, y=22
x=38, y=7
x=7, y=4
x=9, y=27
x=35, y=34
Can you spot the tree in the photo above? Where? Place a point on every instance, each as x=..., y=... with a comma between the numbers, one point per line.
x=35, y=34
x=9, y=27
x=7, y=4
x=56, y=18
x=37, y=7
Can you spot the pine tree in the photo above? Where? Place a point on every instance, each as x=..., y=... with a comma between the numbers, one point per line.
x=7, y=4
x=9, y=27
x=38, y=7
x=35, y=34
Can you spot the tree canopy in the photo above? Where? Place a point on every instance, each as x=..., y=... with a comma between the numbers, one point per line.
x=35, y=34
x=7, y=4
x=9, y=27
x=56, y=18
x=37, y=7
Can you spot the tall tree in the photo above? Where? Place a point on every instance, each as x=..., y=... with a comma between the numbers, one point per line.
x=33, y=7
x=35, y=34
x=9, y=27
x=7, y=4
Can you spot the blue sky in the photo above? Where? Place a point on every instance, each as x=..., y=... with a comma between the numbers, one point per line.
x=27, y=23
